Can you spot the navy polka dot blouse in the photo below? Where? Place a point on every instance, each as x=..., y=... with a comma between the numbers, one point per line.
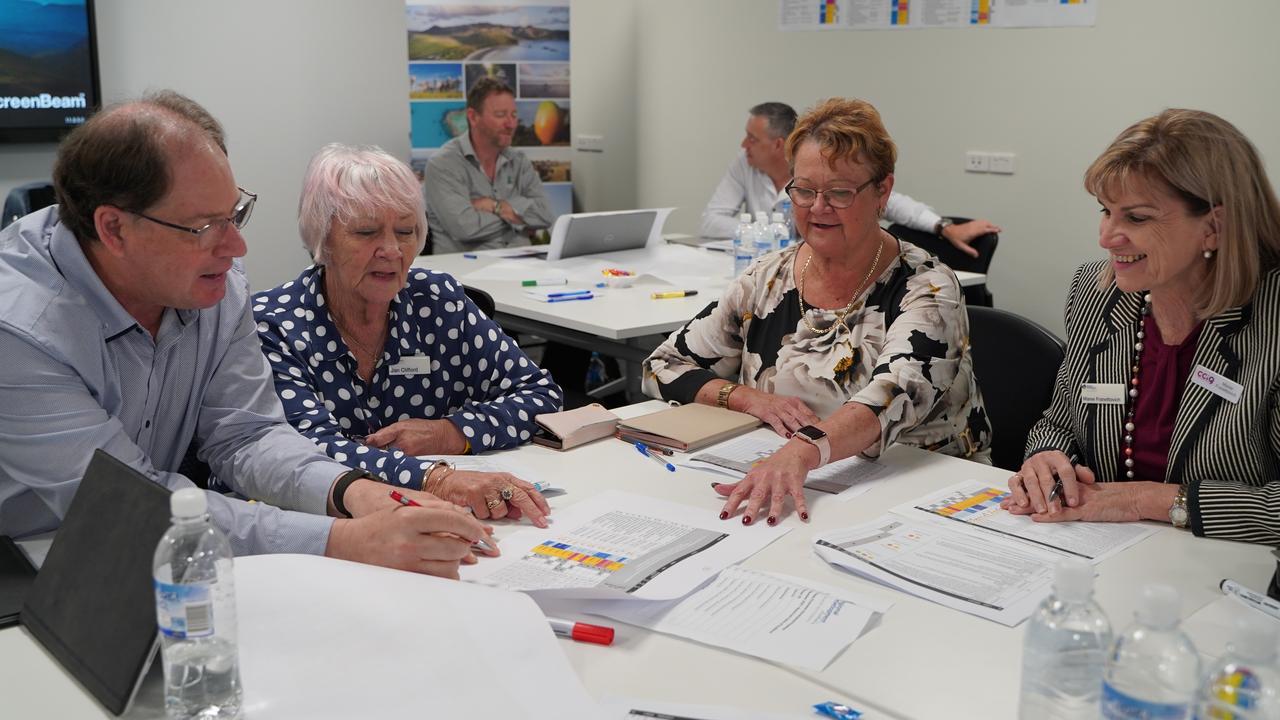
x=443, y=359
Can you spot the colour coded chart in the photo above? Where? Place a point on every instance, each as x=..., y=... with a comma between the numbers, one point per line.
x=980, y=12
x=899, y=15
x=566, y=557
x=828, y=12
x=961, y=505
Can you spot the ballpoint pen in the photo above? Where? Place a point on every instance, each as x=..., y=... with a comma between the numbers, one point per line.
x=644, y=450
x=673, y=294
x=1056, y=491
x=410, y=502
x=645, y=445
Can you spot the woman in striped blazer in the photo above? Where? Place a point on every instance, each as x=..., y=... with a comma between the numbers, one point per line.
x=1171, y=383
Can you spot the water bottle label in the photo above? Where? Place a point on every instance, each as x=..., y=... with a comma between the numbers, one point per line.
x=1117, y=705
x=184, y=611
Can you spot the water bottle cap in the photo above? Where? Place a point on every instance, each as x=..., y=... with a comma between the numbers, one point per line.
x=744, y=217
x=1160, y=607
x=762, y=216
x=1254, y=637
x=777, y=217
x=188, y=502
x=1073, y=580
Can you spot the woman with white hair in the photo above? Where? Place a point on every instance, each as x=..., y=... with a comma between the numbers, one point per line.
x=385, y=366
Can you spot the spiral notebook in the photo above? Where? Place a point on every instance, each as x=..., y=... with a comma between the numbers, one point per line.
x=92, y=605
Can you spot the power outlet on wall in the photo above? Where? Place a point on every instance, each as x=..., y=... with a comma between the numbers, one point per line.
x=978, y=162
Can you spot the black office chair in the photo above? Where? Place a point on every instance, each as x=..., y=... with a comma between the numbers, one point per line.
x=482, y=299
x=947, y=253
x=1015, y=361
x=26, y=199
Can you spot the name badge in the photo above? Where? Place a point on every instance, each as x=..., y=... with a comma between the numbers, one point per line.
x=1223, y=387
x=1102, y=393
x=412, y=365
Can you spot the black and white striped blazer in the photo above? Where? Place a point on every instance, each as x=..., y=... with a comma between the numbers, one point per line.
x=1227, y=453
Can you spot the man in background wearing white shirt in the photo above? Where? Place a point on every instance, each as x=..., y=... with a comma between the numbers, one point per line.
x=758, y=174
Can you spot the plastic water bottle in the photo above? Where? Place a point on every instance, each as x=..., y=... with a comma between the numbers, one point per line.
x=1153, y=671
x=744, y=244
x=1065, y=649
x=196, y=612
x=1245, y=683
x=781, y=233
x=765, y=242
x=788, y=216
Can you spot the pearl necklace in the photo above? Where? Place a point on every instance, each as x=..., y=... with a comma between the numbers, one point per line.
x=1133, y=387
x=840, y=314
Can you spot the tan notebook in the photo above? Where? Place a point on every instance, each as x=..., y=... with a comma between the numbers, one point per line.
x=571, y=428
x=687, y=427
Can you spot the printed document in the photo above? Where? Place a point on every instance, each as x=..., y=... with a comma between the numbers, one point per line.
x=977, y=504
x=984, y=574
x=845, y=479
x=776, y=617
x=618, y=545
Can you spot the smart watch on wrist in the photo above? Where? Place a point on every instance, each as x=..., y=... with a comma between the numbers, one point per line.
x=818, y=439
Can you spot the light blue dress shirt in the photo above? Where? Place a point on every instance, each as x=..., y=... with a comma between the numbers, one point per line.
x=79, y=373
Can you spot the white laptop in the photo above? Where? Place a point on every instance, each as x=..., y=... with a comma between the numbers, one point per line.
x=606, y=232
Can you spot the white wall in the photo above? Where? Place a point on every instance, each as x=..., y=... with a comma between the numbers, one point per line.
x=1056, y=97
x=284, y=77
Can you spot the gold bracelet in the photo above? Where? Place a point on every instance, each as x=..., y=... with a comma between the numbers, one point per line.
x=426, y=478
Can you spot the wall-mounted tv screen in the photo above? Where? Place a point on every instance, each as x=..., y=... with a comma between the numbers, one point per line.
x=48, y=68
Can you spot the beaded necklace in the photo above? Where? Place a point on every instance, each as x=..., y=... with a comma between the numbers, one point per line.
x=1133, y=387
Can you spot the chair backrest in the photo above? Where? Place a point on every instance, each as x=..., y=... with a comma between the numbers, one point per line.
x=956, y=260
x=1015, y=361
x=26, y=199
x=482, y=299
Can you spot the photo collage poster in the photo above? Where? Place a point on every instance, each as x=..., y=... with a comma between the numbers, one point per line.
x=524, y=44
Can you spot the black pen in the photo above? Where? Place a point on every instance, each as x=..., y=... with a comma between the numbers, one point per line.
x=658, y=715
x=1056, y=491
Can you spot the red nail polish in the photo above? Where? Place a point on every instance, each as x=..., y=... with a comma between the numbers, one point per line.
x=715, y=485
x=772, y=520
x=746, y=519
x=724, y=514
x=804, y=516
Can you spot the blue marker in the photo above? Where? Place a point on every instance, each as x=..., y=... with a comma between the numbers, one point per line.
x=567, y=298
x=644, y=450
x=470, y=256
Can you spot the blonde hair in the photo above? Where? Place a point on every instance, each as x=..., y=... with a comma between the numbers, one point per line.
x=344, y=181
x=1205, y=162
x=846, y=129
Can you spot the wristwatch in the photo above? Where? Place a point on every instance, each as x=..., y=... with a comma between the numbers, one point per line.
x=722, y=397
x=818, y=439
x=942, y=224
x=1178, y=514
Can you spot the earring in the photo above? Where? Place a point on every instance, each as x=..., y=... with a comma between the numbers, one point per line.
x=1208, y=254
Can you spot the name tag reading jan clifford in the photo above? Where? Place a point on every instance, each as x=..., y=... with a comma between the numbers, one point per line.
x=1102, y=393
x=411, y=365
x=1219, y=385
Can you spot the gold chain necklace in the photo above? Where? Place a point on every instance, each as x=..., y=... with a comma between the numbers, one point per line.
x=840, y=314
x=350, y=337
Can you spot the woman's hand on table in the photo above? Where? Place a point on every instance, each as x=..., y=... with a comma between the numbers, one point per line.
x=432, y=539
x=1111, y=502
x=492, y=495
x=419, y=437
x=769, y=483
x=1030, y=487
x=782, y=413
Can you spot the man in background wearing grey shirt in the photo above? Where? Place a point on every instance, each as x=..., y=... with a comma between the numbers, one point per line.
x=480, y=193
x=125, y=325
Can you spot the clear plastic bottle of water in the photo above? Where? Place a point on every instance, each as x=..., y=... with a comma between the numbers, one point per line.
x=788, y=216
x=744, y=244
x=1153, y=670
x=196, y=612
x=1065, y=649
x=765, y=243
x=1245, y=683
x=778, y=228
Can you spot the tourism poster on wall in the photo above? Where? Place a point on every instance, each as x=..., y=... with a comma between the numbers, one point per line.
x=919, y=14
x=524, y=44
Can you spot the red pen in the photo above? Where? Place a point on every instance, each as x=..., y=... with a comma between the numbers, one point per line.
x=410, y=502
x=582, y=632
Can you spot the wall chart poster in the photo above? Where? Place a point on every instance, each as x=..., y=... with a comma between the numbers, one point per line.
x=819, y=15
x=524, y=44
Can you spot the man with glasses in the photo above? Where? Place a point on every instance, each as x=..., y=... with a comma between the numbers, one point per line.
x=125, y=325
x=758, y=175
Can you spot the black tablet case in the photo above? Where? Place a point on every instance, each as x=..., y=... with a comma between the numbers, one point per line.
x=16, y=574
x=92, y=605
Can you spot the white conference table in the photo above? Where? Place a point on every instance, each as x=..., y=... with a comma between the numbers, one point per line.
x=621, y=322
x=921, y=661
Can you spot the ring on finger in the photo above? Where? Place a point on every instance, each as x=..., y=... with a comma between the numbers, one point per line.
x=492, y=503
x=507, y=492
